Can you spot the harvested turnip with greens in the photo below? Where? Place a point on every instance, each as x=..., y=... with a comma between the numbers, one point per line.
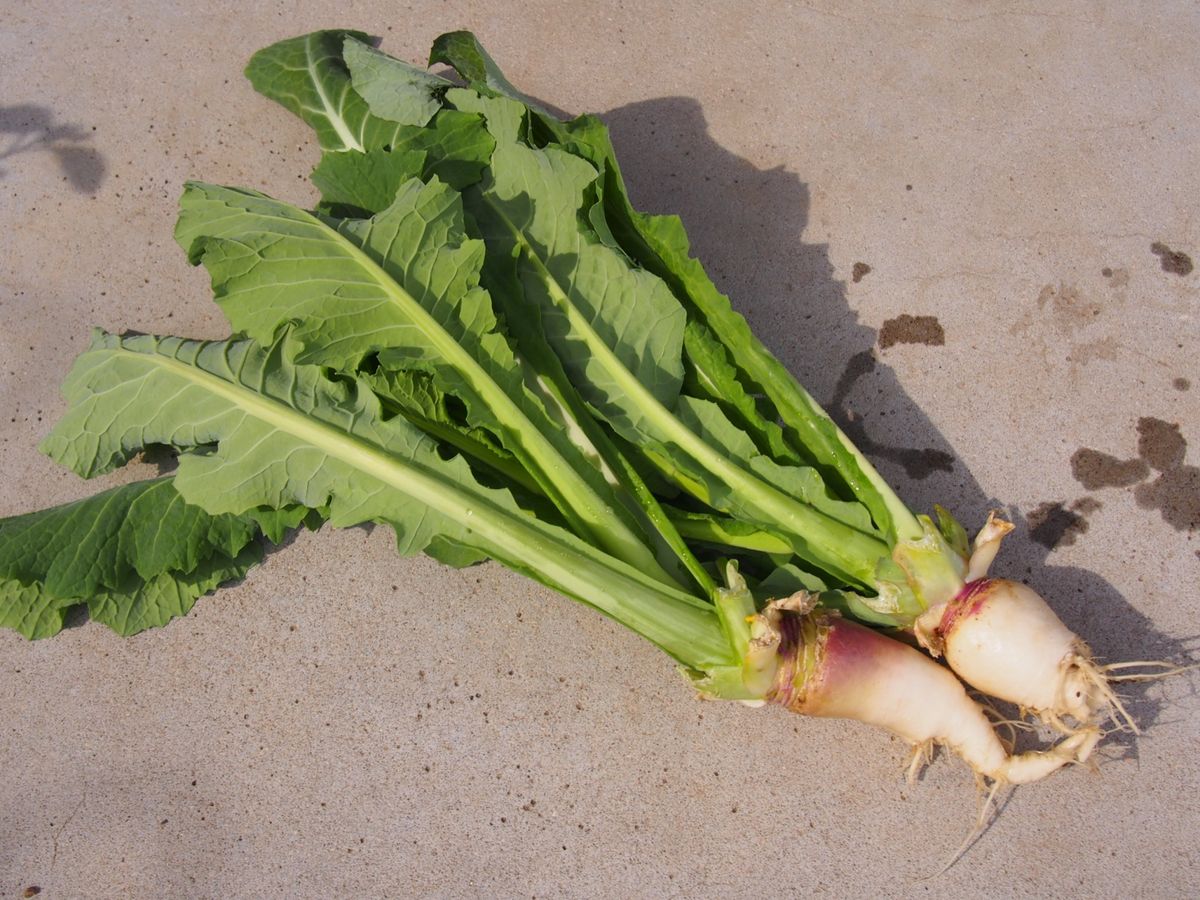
x=476, y=340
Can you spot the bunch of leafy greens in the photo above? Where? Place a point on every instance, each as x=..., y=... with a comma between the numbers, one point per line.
x=476, y=340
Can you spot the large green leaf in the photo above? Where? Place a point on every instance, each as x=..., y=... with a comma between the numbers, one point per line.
x=308, y=76
x=711, y=375
x=136, y=554
x=368, y=182
x=708, y=420
x=661, y=244
x=463, y=52
x=257, y=430
x=359, y=184
x=402, y=285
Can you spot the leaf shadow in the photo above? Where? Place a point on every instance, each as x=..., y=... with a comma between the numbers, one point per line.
x=748, y=226
x=29, y=128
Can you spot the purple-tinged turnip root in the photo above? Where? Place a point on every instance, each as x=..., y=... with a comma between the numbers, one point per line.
x=830, y=666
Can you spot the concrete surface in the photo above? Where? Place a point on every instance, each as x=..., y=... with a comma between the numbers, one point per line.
x=345, y=724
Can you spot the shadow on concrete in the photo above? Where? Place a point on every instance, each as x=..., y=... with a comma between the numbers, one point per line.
x=747, y=224
x=27, y=128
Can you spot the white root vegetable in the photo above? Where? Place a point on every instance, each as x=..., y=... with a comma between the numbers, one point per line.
x=1002, y=638
x=832, y=667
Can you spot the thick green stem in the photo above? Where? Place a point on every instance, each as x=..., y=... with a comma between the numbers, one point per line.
x=723, y=533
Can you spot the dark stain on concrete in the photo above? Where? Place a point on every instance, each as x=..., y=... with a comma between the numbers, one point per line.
x=1053, y=524
x=860, y=271
x=918, y=462
x=1181, y=384
x=1095, y=470
x=1175, y=493
x=906, y=329
x=1174, y=261
x=1160, y=443
x=1106, y=272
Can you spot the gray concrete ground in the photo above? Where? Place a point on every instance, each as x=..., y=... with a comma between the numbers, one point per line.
x=1020, y=180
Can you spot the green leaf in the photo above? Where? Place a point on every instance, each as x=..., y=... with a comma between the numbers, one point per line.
x=462, y=52
x=32, y=611
x=661, y=245
x=709, y=421
x=137, y=554
x=369, y=181
x=377, y=185
x=355, y=183
x=712, y=376
x=617, y=329
x=786, y=580
x=730, y=535
x=403, y=285
x=276, y=524
x=414, y=395
x=135, y=530
x=454, y=148
x=528, y=207
x=394, y=90
x=256, y=430
x=619, y=333
x=306, y=75
x=153, y=603
x=952, y=531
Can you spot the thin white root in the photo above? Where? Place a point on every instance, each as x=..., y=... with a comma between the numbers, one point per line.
x=1160, y=663
x=982, y=821
x=1099, y=680
x=1010, y=726
x=1169, y=669
x=922, y=754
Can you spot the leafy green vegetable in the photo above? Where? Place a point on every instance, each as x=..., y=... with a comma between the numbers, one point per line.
x=620, y=331
x=462, y=51
x=476, y=341
x=475, y=271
